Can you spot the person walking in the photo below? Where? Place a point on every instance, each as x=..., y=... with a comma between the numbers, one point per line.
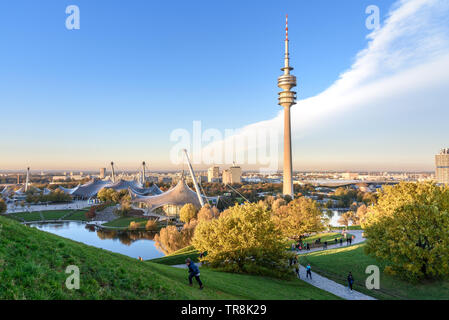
x=350, y=281
x=341, y=242
x=194, y=272
x=325, y=245
x=308, y=246
x=296, y=265
x=309, y=271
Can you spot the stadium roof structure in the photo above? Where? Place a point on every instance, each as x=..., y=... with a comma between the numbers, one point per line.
x=179, y=195
x=91, y=189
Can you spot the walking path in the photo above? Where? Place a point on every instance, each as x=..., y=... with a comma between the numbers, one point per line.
x=323, y=282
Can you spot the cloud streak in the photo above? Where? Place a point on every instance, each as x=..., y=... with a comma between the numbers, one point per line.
x=407, y=56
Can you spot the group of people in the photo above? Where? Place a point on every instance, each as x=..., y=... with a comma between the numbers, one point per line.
x=299, y=246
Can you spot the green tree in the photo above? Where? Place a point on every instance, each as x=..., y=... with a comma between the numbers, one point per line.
x=300, y=216
x=408, y=230
x=188, y=212
x=243, y=239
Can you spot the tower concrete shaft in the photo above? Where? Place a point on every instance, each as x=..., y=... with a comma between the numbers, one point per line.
x=287, y=99
x=113, y=172
x=27, y=181
x=143, y=173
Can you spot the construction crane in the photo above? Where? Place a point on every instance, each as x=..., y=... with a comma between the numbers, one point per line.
x=195, y=184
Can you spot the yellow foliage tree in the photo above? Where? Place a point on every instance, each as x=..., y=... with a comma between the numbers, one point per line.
x=300, y=216
x=408, y=230
x=170, y=239
x=187, y=213
x=243, y=239
x=208, y=213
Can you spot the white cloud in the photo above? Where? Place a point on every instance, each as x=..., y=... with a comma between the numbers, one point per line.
x=407, y=56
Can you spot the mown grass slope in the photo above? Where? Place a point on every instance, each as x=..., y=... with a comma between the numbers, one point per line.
x=33, y=264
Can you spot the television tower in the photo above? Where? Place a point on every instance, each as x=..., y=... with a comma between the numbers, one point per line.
x=143, y=173
x=113, y=172
x=27, y=181
x=287, y=99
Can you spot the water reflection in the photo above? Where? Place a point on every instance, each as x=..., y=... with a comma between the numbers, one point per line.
x=131, y=243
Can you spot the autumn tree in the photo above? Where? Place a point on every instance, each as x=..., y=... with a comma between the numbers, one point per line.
x=3, y=206
x=208, y=213
x=300, y=216
x=278, y=203
x=170, y=239
x=361, y=213
x=408, y=230
x=188, y=212
x=349, y=217
x=243, y=239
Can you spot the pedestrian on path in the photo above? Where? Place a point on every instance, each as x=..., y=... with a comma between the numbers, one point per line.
x=194, y=272
x=341, y=242
x=309, y=271
x=296, y=265
x=350, y=281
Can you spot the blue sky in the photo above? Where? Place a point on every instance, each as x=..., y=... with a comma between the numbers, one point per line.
x=137, y=70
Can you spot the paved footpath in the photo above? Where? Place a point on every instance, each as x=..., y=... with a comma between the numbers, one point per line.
x=325, y=283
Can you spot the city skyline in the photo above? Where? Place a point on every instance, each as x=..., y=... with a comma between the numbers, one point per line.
x=97, y=95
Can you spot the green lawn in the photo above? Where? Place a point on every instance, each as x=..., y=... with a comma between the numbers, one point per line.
x=77, y=215
x=49, y=215
x=242, y=286
x=27, y=216
x=336, y=263
x=54, y=215
x=178, y=257
x=124, y=222
x=33, y=264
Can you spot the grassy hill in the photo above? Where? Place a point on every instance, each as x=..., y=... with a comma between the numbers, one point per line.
x=33, y=263
x=336, y=263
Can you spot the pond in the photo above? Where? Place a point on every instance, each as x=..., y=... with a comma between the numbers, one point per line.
x=131, y=243
x=334, y=221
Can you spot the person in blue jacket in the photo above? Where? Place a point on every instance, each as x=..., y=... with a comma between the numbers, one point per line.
x=194, y=271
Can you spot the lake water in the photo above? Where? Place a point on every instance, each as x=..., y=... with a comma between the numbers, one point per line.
x=334, y=220
x=131, y=243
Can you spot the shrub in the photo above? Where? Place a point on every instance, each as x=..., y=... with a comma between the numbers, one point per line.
x=134, y=225
x=151, y=225
x=91, y=213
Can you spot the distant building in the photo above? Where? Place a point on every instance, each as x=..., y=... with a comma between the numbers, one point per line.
x=232, y=175
x=350, y=176
x=102, y=173
x=442, y=166
x=213, y=174
x=60, y=178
